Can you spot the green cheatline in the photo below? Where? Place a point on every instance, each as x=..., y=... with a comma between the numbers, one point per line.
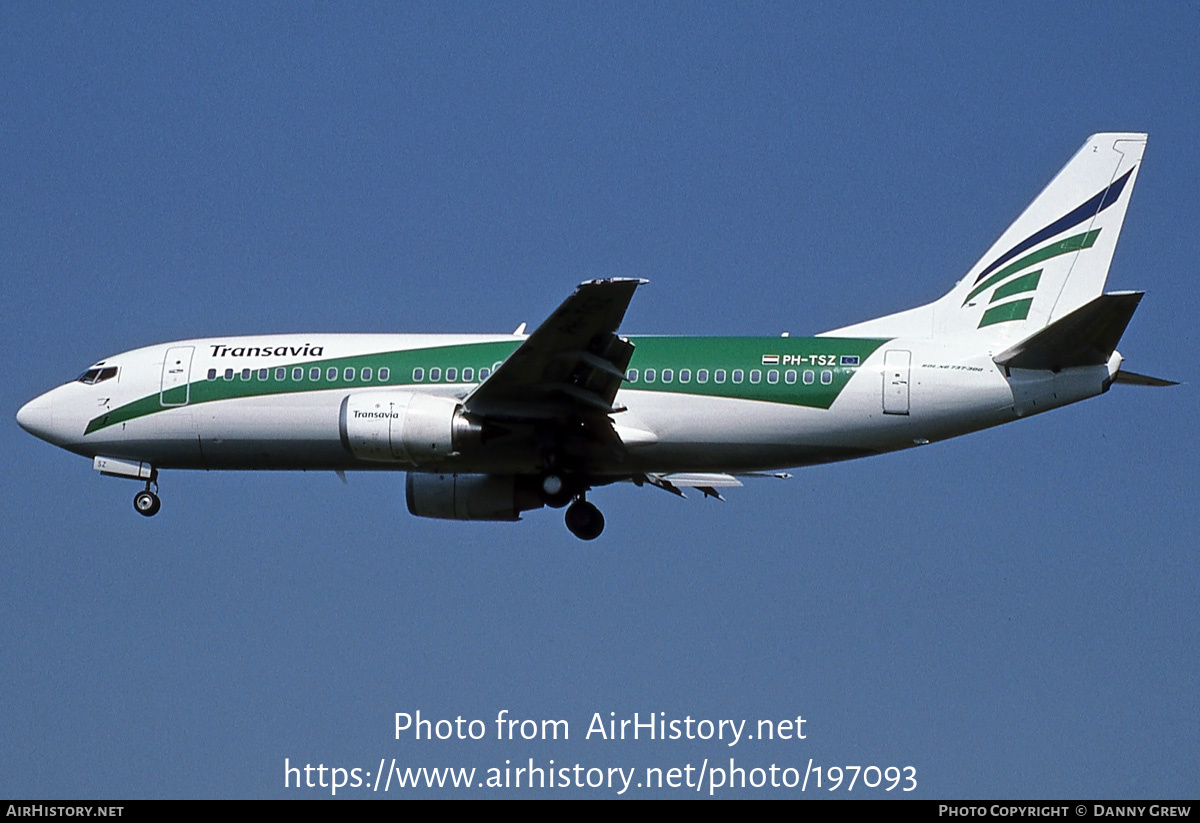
x=658, y=353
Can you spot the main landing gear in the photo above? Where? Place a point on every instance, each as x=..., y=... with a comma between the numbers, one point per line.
x=584, y=520
x=146, y=503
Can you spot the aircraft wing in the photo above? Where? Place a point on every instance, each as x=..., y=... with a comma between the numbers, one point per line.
x=570, y=367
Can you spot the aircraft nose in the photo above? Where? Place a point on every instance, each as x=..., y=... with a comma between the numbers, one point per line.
x=37, y=417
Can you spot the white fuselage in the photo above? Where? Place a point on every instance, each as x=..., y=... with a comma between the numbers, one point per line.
x=938, y=389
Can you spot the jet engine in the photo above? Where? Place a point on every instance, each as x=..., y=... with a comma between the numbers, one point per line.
x=470, y=496
x=405, y=427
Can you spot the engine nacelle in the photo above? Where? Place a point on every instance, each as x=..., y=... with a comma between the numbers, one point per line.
x=404, y=427
x=470, y=496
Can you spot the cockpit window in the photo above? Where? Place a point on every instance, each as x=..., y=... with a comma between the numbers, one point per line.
x=93, y=376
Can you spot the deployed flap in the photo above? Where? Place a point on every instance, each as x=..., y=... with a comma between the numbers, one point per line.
x=698, y=480
x=704, y=482
x=1085, y=337
x=572, y=365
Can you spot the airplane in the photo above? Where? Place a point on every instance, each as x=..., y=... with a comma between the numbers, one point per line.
x=490, y=426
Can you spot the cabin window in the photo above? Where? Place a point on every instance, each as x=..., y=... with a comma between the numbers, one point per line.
x=229, y=374
x=468, y=374
x=331, y=373
x=298, y=373
x=755, y=375
x=418, y=374
x=685, y=375
x=809, y=376
x=435, y=374
x=668, y=375
x=631, y=375
x=650, y=373
x=827, y=377
x=719, y=375
x=348, y=373
x=702, y=376
x=738, y=375
x=314, y=373
x=484, y=372
x=773, y=376
x=281, y=374
x=384, y=374
x=451, y=374
x=366, y=373
x=263, y=374
x=212, y=374
x=245, y=374
x=790, y=376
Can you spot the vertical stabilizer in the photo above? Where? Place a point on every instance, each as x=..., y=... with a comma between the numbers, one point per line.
x=1051, y=261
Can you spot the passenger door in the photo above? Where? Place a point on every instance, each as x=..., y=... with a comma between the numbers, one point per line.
x=177, y=367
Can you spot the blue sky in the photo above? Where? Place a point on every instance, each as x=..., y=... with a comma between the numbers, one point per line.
x=1013, y=613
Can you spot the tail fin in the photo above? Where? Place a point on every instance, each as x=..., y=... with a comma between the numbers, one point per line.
x=1051, y=261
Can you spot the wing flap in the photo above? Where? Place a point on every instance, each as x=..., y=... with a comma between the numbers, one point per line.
x=706, y=483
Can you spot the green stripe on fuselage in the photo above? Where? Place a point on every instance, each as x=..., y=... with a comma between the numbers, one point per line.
x=816, y=354
x=798, y=354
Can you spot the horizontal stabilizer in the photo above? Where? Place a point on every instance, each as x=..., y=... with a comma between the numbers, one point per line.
x=1135, y=379
x=1085, y=337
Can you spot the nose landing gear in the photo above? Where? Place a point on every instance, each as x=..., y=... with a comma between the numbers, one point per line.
x=584, y=520
x=146, y=502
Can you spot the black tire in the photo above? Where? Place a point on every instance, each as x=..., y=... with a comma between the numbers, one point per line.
x=146, y=503
x=584, y=520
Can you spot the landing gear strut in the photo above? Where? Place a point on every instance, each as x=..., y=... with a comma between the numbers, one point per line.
x=584, y=520
x=146, y=503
